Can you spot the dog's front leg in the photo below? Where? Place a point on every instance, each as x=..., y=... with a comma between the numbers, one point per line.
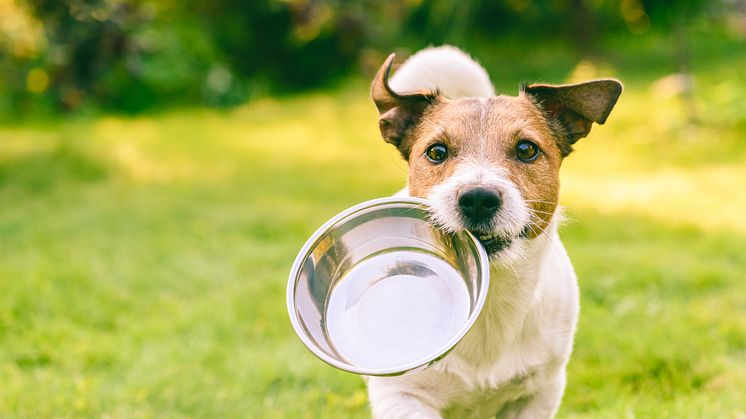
x=392, y=399
x=543, y=404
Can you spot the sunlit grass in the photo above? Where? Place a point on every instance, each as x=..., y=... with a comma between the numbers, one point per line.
x=143, y=259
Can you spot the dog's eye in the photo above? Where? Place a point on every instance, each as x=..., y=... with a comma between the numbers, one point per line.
x=526, y=151
x=437, y=153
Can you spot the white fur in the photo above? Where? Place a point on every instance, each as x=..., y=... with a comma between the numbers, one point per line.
x=508, y=222
x=512, y=362
x=445, y=68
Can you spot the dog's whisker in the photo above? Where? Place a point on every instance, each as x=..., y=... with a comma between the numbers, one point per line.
x=544, y=232
x=540, y=212
x=541, y=231
x=538, y=201
x=562, y=215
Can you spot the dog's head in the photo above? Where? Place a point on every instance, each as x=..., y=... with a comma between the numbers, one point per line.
x=491, y=165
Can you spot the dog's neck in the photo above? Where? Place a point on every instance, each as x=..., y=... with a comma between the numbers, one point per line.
x=514, y=291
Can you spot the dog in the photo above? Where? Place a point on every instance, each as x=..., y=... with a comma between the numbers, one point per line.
x=490, y=164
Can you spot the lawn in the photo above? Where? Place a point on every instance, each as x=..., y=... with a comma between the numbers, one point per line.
x=143, y=260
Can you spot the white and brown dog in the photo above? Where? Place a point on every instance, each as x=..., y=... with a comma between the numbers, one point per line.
x=490, y=164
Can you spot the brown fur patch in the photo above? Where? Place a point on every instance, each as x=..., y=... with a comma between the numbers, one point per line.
x=487, y=130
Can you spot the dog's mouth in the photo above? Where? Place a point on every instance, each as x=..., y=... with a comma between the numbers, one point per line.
x=494, y=243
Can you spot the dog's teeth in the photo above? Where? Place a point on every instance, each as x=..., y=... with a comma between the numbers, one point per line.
x=487, y=237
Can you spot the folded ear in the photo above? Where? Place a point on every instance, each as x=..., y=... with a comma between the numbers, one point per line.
x=576, y=106
x=398, y=113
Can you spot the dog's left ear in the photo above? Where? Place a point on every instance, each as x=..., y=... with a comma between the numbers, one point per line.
x=576, y=106
x=398, y=113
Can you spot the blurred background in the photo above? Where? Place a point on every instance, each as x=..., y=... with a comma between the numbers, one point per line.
x=133, y=55
x=161, y=162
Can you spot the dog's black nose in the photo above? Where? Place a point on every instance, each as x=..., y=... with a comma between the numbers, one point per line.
x=479, y=204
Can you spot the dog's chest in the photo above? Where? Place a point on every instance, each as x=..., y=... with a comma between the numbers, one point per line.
x=485, y=402
x=500, y=362
x=494, y=385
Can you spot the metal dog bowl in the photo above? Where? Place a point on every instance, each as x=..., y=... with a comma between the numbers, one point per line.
x=378, y=290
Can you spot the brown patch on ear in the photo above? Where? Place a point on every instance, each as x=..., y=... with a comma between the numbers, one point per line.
x=575, y=106
x=398, y=113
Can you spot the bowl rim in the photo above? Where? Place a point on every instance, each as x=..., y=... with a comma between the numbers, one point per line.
x=483, y=262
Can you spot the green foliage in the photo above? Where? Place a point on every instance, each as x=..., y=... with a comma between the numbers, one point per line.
x=128, y=55
x=118, y=55
x=88, y=47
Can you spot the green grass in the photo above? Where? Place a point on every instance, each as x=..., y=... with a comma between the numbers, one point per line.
x=143, y=260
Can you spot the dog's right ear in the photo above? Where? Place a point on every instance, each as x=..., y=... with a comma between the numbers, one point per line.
x=575, y=107
x=398, y=113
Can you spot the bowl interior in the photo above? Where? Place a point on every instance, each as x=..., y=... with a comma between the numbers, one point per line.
x=378, y=290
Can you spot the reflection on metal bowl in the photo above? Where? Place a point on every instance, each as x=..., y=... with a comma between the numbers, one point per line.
x=379, y=290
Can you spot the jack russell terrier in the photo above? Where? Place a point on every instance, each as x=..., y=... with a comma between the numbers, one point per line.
x=490, y=164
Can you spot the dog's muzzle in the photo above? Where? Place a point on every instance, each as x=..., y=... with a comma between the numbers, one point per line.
x=478, y=208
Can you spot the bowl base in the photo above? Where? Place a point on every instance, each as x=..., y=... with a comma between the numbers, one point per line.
x=396, y=308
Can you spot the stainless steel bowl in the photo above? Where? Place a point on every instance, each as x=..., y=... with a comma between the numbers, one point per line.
x=378, y=290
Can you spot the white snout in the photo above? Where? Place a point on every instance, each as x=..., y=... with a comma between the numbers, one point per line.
x=509, y=220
